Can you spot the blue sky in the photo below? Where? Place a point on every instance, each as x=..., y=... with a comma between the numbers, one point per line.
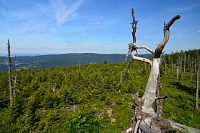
x=97, y=26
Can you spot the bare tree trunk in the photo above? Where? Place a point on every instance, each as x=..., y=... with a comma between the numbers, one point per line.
x=181, y=64
x=185, y=61
x=145, y=113
x=10, y=75
x=159, y=104
x=191, y=70
x=177, y=74
x=180, y=70
x=145, y=64
x=197, y=91
x=15, y=80
x=188, y=62
x=195, y=67
x=150, y=91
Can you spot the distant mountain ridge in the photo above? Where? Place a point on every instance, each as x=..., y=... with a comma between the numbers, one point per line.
x=46, y=61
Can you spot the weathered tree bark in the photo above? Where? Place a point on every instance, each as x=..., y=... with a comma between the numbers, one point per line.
x=177, y=74
x=10, y=75
x=188, y=61
x=197, y=90
x=159, y=101
x=15, y=80
x=183, y=128
x=181, y=64
x=185, y=61
x=146, y=118
x=195, y=67
x=191, y=70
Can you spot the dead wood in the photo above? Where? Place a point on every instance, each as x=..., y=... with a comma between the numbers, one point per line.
x=145, y=117
x=161, y=46
x=10, y=75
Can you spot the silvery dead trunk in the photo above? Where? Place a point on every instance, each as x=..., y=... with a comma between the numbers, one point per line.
x=151, y=88
x=185, y=61
x=15, y=80
x=146, y=119
x=10, y=75
x=191, y=70
x=197, y=90
x=177, y=74
x=145, y=113
x=195, y=67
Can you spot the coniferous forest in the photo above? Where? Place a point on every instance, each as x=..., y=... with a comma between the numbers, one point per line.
x=67, y=87
x=96, y=97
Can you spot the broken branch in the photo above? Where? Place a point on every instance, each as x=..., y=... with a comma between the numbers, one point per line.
x=141, y=58
x=161, y=46
x=145, y=47
x=134, y=26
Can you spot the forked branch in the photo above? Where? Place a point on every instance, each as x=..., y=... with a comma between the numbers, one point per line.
x=133, y=47
x=161, y=46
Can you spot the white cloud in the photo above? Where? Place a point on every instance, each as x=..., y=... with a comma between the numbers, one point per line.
x=39, y=17
x=65, y=11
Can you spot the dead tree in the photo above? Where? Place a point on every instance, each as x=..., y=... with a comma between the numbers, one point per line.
x=197, y=90
x=146, y=118
x=185, y=61
x=15, y=80
x=178, y=71
x=10, y=75
x=177, y=74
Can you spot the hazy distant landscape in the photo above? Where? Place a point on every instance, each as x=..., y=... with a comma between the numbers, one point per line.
x=45, y=61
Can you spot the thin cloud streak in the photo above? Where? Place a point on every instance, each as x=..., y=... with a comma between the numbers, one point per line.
x=186, y=8
x=65, y=11
x=40, y=17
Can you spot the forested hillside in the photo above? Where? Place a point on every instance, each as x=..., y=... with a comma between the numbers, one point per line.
x=46, y=61
x=77, y=98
